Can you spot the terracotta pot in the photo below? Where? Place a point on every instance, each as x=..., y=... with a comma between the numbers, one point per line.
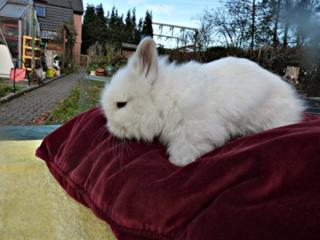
x=100, y=72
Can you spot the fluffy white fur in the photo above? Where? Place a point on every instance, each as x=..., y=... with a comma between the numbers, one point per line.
x=194, y=108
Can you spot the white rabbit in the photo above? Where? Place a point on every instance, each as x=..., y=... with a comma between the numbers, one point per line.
x=194, y=108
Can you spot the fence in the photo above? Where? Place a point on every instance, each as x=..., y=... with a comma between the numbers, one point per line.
x=84, y=60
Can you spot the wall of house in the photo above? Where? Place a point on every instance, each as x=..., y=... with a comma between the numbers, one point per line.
x=55, y=16
x=77, y=19
x=51, y=45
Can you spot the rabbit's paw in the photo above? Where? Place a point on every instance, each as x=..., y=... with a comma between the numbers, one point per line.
x=181, y=156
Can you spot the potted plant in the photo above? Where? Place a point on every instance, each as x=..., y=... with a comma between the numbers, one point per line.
x=109, y=70
x=92, y=69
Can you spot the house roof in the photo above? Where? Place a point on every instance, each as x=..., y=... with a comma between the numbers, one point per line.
x=12, y=11
x=129, y=46
x=19, y=2
x=77, y=6
x=13, y=8
x=59, y=3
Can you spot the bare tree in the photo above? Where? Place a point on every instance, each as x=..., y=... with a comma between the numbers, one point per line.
x=250, y=23
x=234, y=22
x=276, y=4
x=204, y=36
x=253, y=23
x=286, y=20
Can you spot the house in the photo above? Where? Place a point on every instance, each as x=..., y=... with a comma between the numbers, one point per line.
x=127, y=49
x=54, y=15
x=15, y=21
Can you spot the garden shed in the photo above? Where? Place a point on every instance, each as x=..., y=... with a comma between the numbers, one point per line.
x=17, y=20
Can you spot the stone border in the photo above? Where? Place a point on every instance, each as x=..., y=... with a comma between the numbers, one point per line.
x=11, y=96
x=30, y=132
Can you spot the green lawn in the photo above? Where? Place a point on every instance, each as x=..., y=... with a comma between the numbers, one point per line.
x=80, y=100
x=6, y=89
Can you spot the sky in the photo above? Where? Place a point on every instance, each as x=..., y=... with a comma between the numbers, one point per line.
x=177, y=12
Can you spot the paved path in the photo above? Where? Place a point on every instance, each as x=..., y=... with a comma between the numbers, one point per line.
x=25, y=109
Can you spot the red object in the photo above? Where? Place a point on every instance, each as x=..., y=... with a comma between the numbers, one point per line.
x=265, y=186
x=100, y=72
x=20, y=74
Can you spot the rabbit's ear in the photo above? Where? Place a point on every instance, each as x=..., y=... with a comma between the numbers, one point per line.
x=145, y=58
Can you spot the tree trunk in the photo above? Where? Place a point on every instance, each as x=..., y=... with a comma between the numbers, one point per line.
x=253, y=25
x=287, y=25
x=276, y=5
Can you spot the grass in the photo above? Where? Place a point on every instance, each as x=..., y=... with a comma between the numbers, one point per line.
x=6, y=89
x=68, y=108
x=80, y=100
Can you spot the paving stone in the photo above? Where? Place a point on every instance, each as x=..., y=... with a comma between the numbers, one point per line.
x=25, y=109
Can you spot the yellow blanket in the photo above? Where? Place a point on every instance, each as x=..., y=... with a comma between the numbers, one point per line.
x=33, y=206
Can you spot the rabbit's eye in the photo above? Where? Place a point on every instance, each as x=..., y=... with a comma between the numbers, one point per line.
x=121, y=104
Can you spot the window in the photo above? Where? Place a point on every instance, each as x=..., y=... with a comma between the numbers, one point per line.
x=41, y=11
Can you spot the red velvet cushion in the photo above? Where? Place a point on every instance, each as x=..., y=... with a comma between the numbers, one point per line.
x=265, y=186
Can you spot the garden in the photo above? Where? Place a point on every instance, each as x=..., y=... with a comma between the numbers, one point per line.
x=266, y=32
x=104, y=60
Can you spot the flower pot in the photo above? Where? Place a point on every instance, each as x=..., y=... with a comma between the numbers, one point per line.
x=100, y=72
x=109, y=70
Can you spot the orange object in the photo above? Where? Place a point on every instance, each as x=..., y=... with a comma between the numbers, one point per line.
x=18, y=74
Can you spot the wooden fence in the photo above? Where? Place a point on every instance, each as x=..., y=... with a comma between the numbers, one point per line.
x=84, y=60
